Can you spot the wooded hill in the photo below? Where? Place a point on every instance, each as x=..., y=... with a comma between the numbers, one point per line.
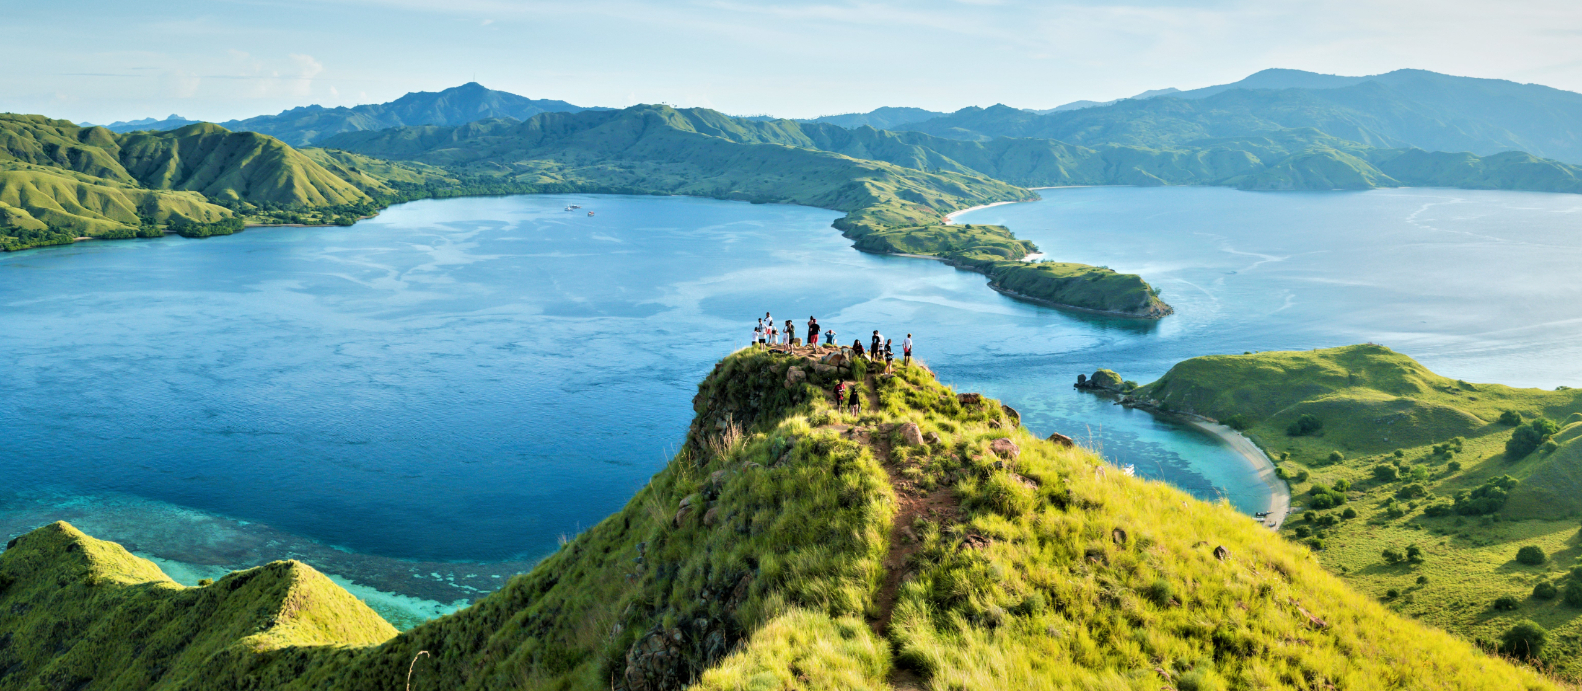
x=929, y=542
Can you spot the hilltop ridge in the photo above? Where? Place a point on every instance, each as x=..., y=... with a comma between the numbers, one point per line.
x=928, y=541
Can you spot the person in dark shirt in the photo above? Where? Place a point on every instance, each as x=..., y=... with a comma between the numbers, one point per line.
x=856, y=347
x=889, y=356
x=853, y=402
x=812, y=331
x=873, y=348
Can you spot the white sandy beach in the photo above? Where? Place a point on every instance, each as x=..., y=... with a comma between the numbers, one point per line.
x=951, y=217
x=1279, y=492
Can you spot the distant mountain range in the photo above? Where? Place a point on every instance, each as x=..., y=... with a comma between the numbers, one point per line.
x=1401, y=109
x=305, y=125
x=171, y=122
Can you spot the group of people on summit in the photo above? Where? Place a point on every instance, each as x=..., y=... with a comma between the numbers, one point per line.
x=767, y=334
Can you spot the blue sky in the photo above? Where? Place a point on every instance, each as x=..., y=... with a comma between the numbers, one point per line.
x=220, y=59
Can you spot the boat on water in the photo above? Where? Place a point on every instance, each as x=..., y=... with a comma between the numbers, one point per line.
x=575, y=206
x=590, y=213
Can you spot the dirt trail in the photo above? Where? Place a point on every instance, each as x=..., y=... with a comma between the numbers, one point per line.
x=939, y=506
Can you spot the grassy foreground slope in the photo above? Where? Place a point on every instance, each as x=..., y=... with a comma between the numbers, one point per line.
x=1418, y=460
x=891, y=207
x=928, y=542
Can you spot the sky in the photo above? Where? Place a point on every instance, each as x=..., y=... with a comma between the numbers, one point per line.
x=102, y=61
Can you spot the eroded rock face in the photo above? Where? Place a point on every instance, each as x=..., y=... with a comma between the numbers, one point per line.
x=1005, y=448
x=1061, y=439
x=655, y=662
x=685, y=510
x=969, y=398
x=1014, y=417
x=911, y=434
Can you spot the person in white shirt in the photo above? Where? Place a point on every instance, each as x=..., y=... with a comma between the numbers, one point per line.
x=906, y=350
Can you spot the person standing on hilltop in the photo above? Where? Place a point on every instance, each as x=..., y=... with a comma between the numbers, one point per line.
x=812, y=331
x=790, y=333
x=889, y=356
x=906, y=350
x=873, y=349
x=759, y=335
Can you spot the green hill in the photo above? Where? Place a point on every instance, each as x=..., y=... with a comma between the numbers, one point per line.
x=927, y=543
x=1422, y=460
x=59, y=181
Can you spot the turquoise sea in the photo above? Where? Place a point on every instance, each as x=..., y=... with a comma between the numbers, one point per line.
x=429, y=401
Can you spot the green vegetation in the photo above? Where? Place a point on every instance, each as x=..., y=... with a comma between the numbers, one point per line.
x=928, y=542
x=1426, y=462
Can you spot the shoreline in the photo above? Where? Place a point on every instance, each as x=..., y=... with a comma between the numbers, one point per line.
x=950, y=218
x=1279, y=506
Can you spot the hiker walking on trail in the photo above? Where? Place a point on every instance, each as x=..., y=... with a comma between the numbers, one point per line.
x=889, y=356
x=873, y=350
x=906, y=350
x=853, y=401
x=840, y=394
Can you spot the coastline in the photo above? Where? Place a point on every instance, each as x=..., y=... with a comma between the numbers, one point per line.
x=1279, y=493
x=950, y=218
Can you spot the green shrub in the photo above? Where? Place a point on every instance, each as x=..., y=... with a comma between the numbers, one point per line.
x=1573, y=594
x=205, y=582
x=1317, y=544
x=1455, y=466
x=1487, y=498
x=1414, y=554
x=1159, y=592
x=1349, y=513
x=1546, y=591
x=1437, y=510
x=1304, y=426
x=1302, y=531
x=1393, y=555
x=1422, y=580
x=1400, y=453
x=1236, y=422
x=1385, y=472
x=1394, y=509
x=1506, y=603
x=1301, y=475
x=1412, y=491
x=1531, y=555
x=1510, y=417
x=1392, y=593
x=1526, y=639
x=1528, y=437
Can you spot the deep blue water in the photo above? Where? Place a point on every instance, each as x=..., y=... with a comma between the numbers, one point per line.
x=426, y=402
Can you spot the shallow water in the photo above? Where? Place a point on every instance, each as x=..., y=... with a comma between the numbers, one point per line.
x=426, y=402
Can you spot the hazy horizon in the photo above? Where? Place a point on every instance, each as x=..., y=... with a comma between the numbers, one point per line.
x=218, y=61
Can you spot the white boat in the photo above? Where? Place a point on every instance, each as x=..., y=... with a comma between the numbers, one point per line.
x=590, y=213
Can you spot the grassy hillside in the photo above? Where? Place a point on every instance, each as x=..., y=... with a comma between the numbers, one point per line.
x=1423, y=460
x=891, y=207
x=59, y=181
x=928, y=542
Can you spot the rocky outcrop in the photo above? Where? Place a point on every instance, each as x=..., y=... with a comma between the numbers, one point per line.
x=1102, y=380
